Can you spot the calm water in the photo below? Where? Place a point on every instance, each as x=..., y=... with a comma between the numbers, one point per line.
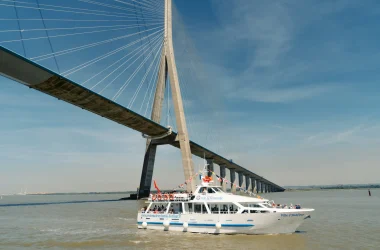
x=344, y=219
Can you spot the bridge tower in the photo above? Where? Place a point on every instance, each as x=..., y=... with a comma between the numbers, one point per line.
x=167, y=68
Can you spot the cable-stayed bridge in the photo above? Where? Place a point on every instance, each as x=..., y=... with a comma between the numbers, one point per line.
x=90, y=53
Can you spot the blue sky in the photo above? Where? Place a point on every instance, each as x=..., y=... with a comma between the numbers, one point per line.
x=288, y=89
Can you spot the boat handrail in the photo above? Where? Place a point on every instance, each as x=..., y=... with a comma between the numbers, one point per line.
x=169, y=197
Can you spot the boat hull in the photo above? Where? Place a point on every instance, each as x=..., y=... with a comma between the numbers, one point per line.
x=279, y=222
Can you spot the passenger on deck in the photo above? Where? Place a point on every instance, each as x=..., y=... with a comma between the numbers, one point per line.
x=215, y=208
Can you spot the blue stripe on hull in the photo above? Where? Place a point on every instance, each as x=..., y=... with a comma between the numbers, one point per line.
x=196, y=224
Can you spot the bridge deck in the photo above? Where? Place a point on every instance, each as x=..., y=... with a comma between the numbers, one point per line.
x=24, y=71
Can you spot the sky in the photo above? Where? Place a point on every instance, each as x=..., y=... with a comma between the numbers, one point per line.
x=287, y=89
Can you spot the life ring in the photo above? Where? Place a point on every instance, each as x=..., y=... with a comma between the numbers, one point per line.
x=171, y=197
x=154, y=197
x=166, y=197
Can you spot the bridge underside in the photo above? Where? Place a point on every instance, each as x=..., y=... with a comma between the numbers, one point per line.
x=37, y=77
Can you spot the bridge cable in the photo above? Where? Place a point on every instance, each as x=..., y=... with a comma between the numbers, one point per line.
x=122, y=88
x=136, y=49
x=155, y=12
x=63, y=7
x=88, y=63
x=143, y=80
x=76, y=28
x=153, y=76
x=70, y=8
x=144, y=51
x=68, y=20
x=69, y=11
x=75, y=49
x=65, y=35
x=125, y=85
x=47, y=34
x=19, y=26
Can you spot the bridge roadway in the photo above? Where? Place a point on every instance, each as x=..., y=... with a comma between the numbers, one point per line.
x=34, y=76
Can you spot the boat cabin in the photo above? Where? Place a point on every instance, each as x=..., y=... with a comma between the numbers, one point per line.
x=205, y=200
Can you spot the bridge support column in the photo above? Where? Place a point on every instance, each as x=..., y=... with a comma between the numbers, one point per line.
x=222, y=176
x=258, y=186
x=233, y=181
x=262, y=187
x=210, y=166
x=151, y=149
x=183, y=135
x=253, y=184
x=248, y=183
x=266, y=187
x=241, y=180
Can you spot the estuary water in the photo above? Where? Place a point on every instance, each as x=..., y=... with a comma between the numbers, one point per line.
x=344, y=219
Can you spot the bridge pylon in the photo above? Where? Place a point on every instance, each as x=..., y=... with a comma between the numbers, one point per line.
x=167, y=68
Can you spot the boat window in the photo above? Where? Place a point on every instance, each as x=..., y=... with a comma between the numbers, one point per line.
x=204, y=209
x=216, y=190
x=175, y=208
x=202, y=190
x=214, y=208
x=246, y=204
x=210, y=191
x=158, y=207
x=228, y=208
x=197, y=208
x=266, y=205
x=200, y=208
x=189, y=207
x=220, y=190
x=253, y=211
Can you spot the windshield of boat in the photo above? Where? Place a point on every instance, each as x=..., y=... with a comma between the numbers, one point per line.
x=266, y=205
x=218, y=190
x=247, y=204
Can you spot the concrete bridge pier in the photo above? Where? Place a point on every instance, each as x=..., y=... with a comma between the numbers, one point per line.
x=262, y=187
x=248, y=183
x=233, y=181
x=241, y=180
x=266, y=187
x=253, y=184
x=223, y=175
x=210, y=166
x=258, y=186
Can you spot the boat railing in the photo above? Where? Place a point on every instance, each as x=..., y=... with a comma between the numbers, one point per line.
x=169, y=197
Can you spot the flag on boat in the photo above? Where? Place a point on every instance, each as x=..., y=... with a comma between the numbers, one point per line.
x=156, y=187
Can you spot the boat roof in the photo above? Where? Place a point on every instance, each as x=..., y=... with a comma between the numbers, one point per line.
x=226, y=197
x=217, y=197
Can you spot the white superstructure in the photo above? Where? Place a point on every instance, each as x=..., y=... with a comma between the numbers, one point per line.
x=210, y=210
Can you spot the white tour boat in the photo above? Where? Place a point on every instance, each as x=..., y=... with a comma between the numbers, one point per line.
x=211, y=210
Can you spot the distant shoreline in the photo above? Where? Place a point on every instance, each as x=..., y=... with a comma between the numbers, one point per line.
x=333, y=187
x=287, y=189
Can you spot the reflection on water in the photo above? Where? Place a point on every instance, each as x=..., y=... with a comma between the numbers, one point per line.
x=344, y=219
